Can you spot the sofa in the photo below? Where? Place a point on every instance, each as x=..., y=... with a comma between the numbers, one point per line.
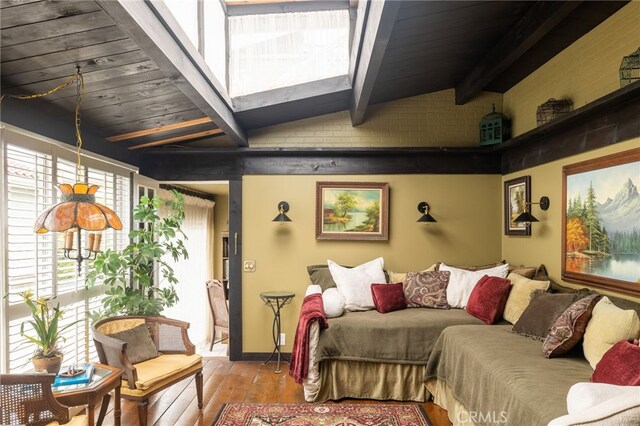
x=479, y=373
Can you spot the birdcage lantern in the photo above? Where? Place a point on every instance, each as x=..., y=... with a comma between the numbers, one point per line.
x=552, y=110
x=630, y=69
x=495, y=128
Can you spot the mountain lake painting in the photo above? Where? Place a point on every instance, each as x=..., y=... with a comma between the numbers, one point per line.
x=602, y=222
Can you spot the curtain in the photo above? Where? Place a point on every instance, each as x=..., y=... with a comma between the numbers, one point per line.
x=192, y=273
x=274, y=50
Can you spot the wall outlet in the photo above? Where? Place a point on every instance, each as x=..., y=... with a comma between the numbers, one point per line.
x=282, y=339
x=249, y=266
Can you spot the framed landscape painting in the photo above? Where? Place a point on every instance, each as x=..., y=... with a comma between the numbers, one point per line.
x=352, y=211
x=601, y=222
x=517, y=192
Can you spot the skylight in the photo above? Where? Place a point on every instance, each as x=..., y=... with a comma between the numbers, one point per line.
x=270, y=51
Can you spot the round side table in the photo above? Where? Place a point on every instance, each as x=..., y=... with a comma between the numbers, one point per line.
x=276, y=300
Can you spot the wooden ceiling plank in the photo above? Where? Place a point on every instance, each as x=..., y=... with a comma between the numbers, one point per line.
x=142, y=25
x=380, y=20
x=541, y=18
x=150, y=122
x=61, y=43
x=54, y=28
x=136, y=134
x=183, y=138
x=6, y=4
x=69, y=57
x=44, y=11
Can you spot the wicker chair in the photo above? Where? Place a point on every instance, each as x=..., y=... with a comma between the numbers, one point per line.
x=27, y=399
x=177, y=359
x=219, y=311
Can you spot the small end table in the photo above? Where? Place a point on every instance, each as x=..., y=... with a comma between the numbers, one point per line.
x=276, y=300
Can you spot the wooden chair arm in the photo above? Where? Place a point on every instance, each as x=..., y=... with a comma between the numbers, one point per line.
x=170, y=323
x=112, y=351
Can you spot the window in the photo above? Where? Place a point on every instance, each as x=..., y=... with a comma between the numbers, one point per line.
x=32, y=168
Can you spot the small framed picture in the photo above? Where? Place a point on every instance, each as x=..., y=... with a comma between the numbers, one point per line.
x=352, y=211
x=517, y=195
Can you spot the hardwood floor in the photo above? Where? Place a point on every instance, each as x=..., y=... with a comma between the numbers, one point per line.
x=226, y=381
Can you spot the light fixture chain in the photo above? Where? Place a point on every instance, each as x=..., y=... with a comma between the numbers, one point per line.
x=79, y=97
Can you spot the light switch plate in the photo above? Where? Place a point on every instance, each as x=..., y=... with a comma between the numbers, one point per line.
x=249, y=266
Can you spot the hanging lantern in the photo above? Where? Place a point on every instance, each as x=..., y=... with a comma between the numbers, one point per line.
x=552, y=110
x=495, y=128
x=630, y=69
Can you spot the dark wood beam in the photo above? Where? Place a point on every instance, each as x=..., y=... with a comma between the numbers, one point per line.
x=378, y=27
x=143, y=26
x=541, y=18
x=358, y=33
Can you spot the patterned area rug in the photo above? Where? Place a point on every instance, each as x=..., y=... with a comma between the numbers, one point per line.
x=321, y=414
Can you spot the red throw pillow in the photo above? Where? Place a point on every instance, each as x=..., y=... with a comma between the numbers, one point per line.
x=388, y=297
x=488, y=298
x=620, y=365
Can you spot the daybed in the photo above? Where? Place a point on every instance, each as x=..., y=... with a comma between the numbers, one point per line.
x=481, y=374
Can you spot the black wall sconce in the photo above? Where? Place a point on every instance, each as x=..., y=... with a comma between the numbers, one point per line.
x=283, y=207
x=426, y=217
x=526, y=217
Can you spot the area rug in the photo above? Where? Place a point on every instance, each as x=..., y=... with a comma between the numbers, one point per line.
x=321, y=414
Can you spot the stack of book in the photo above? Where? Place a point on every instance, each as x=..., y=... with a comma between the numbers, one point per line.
x=81, y=374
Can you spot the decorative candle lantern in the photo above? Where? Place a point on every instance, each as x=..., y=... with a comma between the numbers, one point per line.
x=630, y=69
x=552, y=110
x=495, y=128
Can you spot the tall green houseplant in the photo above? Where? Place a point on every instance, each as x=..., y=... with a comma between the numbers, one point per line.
x=129, y=274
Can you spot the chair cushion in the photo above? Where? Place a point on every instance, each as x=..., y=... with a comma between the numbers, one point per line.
x=140, y=346
x=164, y=367
x=79, y=420
x=115, y=326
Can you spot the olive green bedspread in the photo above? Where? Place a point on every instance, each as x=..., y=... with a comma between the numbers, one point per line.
x=400, y=337
x=503, y=377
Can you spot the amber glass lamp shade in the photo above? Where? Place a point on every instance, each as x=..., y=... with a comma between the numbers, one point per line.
x=78, y=209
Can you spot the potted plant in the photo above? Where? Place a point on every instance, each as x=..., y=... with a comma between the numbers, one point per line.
x=45, y=322
x=129, y=273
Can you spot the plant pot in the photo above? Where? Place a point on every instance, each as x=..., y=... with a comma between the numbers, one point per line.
x=49, y=365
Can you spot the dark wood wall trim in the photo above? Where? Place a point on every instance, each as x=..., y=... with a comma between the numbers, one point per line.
x=216, y=165
x=611, y=119
x=235, y=270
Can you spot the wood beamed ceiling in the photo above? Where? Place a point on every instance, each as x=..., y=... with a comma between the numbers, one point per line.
x=143, y=90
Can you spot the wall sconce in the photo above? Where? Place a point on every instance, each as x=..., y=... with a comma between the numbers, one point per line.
x=426, y=217
x=526, y=217
x=283, y=207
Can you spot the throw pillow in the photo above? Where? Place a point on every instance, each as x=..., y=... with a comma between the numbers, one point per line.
x=620, y=365
x=333, y=303
x=476, y=267
x=608, y=326
x=569, y=328
x=388, y=297
x=427, y=289
x=525, y=271
x=140, y=346
x=462, y=282
x=520, y=295
x=320, y=275
x=401, y=277
x=543, y=311
x=355, y=283
x=488, y=298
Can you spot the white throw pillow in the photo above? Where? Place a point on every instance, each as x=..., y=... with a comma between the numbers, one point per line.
x=355, y=283
x=462, y=282
x=333, y=302
x=608, y=325
x=313, y=289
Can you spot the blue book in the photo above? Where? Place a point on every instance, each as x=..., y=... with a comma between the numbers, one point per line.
x=85, y=377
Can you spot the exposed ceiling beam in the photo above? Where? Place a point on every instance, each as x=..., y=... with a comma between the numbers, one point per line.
x=378, y=27
x=213, y=132
x=137, y=20
x=145, y=132
x=238, y=8
x=541, y=18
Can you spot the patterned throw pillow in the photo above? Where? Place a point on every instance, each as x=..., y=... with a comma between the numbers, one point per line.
x=569, y=328
x=427, y=289
x=488, y=298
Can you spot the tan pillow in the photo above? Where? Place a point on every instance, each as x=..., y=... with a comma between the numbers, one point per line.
x=400, y=277
x=608, y=326
x=520, y=295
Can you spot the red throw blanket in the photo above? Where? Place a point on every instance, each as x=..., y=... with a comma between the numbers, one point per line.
x=312, y=310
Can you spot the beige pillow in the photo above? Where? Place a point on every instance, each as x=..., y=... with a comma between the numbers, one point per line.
x=608, y=326
x=520, y=295
x=400, y=277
